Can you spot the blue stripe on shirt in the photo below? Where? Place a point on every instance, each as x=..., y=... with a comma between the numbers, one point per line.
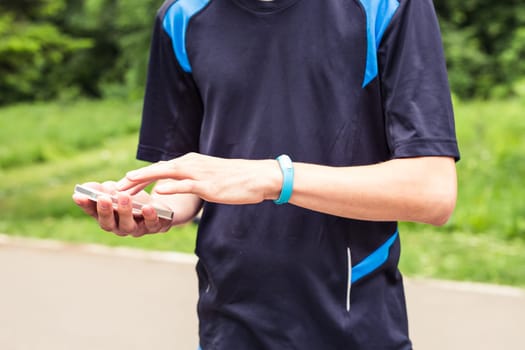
x=175, y=24
x=378, y=16
x=374, y=260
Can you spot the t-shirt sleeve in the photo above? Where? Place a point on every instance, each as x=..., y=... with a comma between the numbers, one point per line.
x=416, y=95
x=172, y=112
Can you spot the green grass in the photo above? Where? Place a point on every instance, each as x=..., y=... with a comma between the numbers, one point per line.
x=86, y=230
x=47, y=148
x=44, y=132
x=492, y=170
x=462, y=256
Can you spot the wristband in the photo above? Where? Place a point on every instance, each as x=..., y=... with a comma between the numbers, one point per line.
x=287, y=169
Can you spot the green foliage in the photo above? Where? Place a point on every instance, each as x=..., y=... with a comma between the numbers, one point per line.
x=120, y=31
x=32, y=59
x=99, y=48
x=135, y=25
x=484, y=44
x=33, y=9
x=54, y=48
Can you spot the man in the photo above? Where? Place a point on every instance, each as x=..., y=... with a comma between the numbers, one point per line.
x=354, y=95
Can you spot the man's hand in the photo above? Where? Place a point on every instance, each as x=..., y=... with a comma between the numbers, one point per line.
x=228, y=181
x=121, y=221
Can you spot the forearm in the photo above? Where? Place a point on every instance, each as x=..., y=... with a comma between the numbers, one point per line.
x=416, y=189
x=412, y=189
x=185, y=206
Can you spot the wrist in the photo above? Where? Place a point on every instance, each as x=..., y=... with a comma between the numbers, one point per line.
x=274, y=180
x=184, y=206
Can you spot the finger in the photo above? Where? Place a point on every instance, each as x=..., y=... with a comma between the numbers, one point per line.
x=87, y=205
x=106, y=216
x=126, y=222
x=151, y=220
x=130, y=187
x=181, y=186
x=203, y=189
x=83, y=201
x=165, y=225
x=160, y=170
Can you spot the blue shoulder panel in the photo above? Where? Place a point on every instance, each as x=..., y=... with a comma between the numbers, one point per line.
x=175, y=23
x=374, y=260
x=378, y=16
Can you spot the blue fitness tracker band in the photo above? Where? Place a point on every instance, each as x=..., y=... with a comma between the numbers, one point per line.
x=287, y=168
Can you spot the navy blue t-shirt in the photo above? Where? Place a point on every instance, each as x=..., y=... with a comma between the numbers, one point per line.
x=331, y=82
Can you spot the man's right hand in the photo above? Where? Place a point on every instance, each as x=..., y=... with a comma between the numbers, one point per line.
x=121, y=221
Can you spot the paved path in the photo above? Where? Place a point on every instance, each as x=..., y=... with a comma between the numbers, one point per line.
x=55, y=296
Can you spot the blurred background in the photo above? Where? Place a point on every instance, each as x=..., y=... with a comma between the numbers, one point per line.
x=72, y=76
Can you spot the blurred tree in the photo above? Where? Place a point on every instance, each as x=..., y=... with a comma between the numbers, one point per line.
x=98, y=48
x=32, y=9
x=121, y=32
x=33, y=50
x=134, y=24
x=88, y=47
x=94, y=19
x=484, y=43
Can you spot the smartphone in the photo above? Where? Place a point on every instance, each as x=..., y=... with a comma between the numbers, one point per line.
x=93, y=194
